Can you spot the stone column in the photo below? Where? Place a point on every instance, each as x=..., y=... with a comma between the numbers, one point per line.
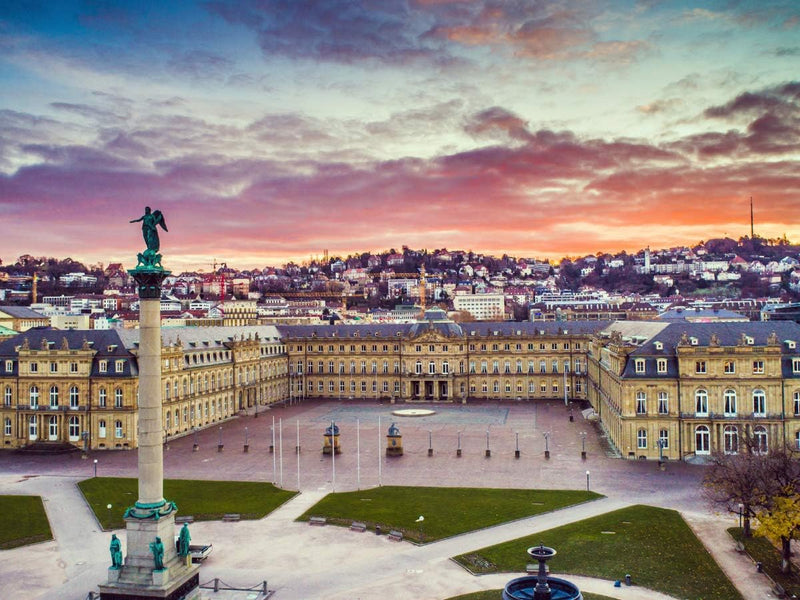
x=151, y=460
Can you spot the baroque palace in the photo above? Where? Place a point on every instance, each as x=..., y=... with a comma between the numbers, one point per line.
x=658, y=390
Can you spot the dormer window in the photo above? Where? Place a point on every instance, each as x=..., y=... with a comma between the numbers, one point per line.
x=661, y=365
x=638, y=365
x=693, y=341
x=659, y=345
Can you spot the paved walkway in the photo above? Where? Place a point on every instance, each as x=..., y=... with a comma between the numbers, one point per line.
x=303, y=562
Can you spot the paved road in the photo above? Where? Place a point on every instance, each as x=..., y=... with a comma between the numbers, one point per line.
x=303, y=562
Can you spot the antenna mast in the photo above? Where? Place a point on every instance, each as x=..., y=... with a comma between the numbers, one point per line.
x=752, y=230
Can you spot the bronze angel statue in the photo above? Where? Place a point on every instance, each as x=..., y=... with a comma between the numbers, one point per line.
x=150, y=222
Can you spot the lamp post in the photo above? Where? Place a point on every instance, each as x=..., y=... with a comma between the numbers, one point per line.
x=219, y=444
x=108, y=507
x=458, y=449
x=246, y=445
x=587, y=481
x=516, y=452
x=196, y=446
x=741, y=507
x=546, y=435
x=430, y=442
x=583, y=445
x=488, y=452
x=421, y=520
x=95, y=467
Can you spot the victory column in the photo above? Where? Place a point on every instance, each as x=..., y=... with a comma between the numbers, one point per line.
x=153, y=567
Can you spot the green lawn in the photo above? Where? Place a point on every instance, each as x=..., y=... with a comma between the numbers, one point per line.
x=496, y=595
x=204, y=500
x=447, y=511
x=22, y=521
x=762, y=550
x=654, y=545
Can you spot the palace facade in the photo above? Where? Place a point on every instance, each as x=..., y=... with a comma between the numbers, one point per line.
x=659, y=390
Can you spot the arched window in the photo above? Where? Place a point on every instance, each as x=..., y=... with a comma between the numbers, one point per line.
x=52, y=429
x=7, y=426
x=118, y=398
x=702, y=443
x=101, y=428
x=176, y=418
x=74, y=429
x=166, y=390
x=796, y=439
x=118, y=429
x=731, y=439
x=760, y=441
x=496, y=387
x=431, y=367
x=730, y=403
x=34, y=397
x=796, y=403
x=7, y=396
x=418, y=367
x=33, y=428
x=663, y=438
x=74, y=396
x=101, y=398
x=53, y=396
x=701, y=403
x=641, y=403
x=759, y=403
x=641, y=439
x=663, y=403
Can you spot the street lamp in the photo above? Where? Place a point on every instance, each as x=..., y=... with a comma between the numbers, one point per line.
x=488, y=452
x=583, y=445
x=196, y=446
x=741, y=508
x=516, y=452
x=246, y=445
x=430, y=442
x=108, y=507
x=420, y=520
x=546, y=435
x=95, y=467
x=458, y=450
x=219, y=444
x=587, y=481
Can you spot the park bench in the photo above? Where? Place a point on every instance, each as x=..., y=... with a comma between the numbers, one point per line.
x=396, y=536
x=182, y=520
x=317, y=521
x=740, y=547
x=231, y=517
x=356, y=526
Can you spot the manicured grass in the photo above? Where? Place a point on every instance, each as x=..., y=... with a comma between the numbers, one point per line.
x=447, y=511
x=496, y=595
x=22, y=521
x=762, y=550
x=204, y=500
x=654, y=545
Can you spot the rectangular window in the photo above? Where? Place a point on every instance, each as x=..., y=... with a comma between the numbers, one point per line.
x=34, y=367
x=661, y=365
x=73, y=367
x=102, y=366
x=758, y=367
x=54, y=367
x=700, y=366
x=119, y=366
x=639, y=365
x=730, y=367
x=9, y=366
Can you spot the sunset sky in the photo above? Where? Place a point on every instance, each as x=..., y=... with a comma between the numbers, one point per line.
x=269, y=130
